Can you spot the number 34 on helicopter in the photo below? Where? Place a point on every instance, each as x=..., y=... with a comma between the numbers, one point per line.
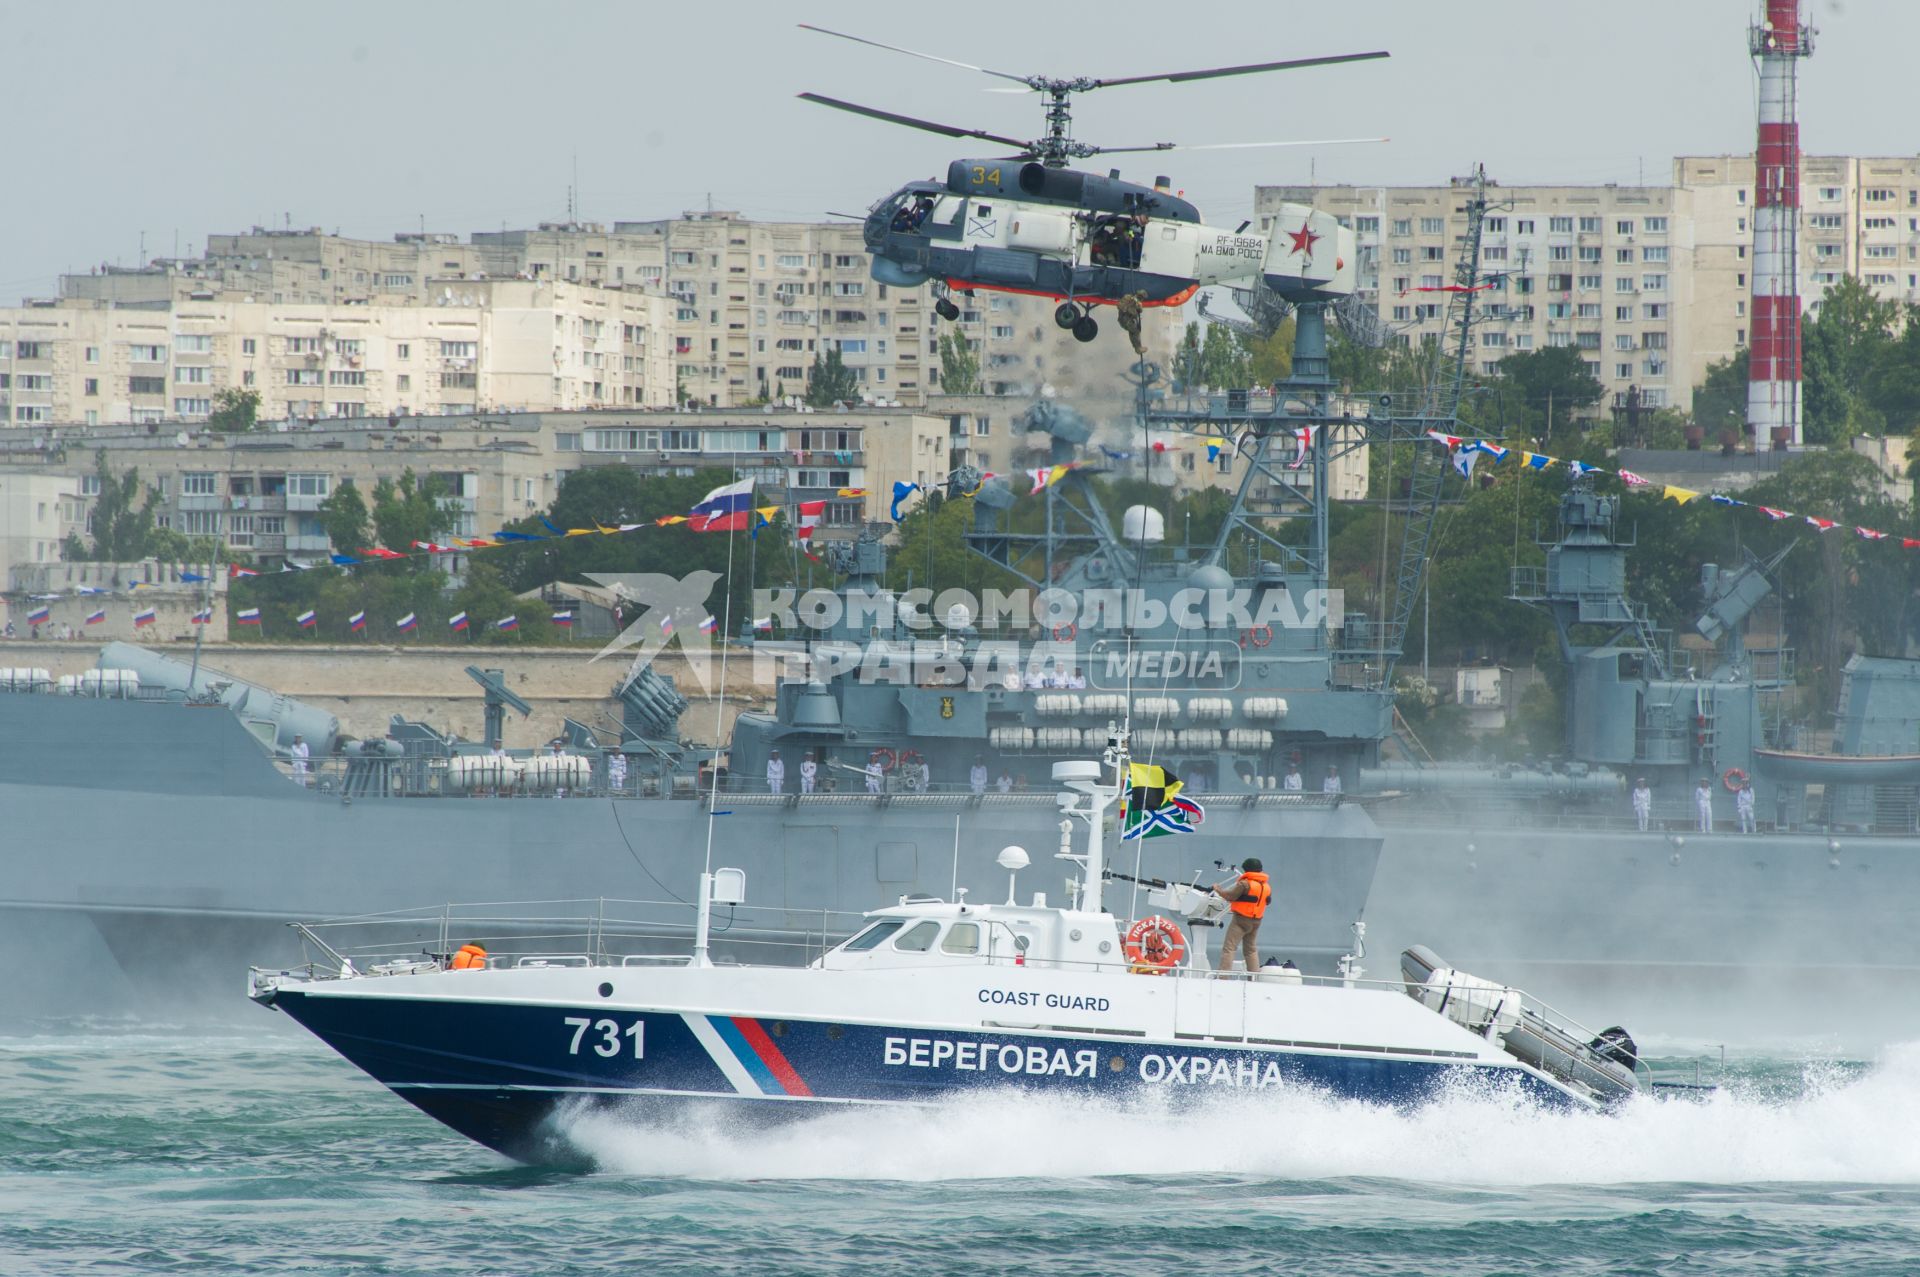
x=1026, y=223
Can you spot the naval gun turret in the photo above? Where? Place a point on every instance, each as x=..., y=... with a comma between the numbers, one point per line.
x=274, y=719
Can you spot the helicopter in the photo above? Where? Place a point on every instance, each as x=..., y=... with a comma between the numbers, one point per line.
x=1026, y=223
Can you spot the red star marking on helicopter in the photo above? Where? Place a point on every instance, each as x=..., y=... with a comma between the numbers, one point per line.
x=1304, y=239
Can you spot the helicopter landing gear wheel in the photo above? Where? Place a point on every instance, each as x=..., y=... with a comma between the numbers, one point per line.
x=946, y=309
x=1066, y=315
x=1085, y=329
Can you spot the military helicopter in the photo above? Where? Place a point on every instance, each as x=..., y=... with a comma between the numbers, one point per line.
x=1026, y=223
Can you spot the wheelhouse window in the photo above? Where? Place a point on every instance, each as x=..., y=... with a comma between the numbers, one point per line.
x=874, y=935
x=918, y=938
x=961, y=937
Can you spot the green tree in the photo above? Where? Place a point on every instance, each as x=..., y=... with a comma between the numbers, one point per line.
x=407, y=511
x=1541, y=393
x=1846, y=344
x=831, y=382
x=1270, y=359
x=1223, y=360
x=123, y=520
x=235, y=410
x=959, y=364
x=343, y=516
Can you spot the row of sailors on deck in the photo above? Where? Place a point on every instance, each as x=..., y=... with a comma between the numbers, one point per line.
x=1050, y=677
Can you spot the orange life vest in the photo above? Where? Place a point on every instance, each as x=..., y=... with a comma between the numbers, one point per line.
x=1254, y=896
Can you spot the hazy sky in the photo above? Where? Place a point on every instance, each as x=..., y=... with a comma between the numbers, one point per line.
x=174, y=120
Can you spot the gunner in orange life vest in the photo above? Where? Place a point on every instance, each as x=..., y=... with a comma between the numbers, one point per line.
x=1247, y=896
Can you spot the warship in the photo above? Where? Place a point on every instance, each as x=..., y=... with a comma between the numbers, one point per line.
x=156, y=824
x=165, y=831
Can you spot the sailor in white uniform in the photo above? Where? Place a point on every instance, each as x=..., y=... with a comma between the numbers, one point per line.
x=977, y=778
x=1332, y=785
x=776, y=773
x=808, y=771
x=1703, y=804
x=1743, y=803
x=874, y=775
x=617, y=772
x=1642, y=803
x=1294, y=782
x=300, y=754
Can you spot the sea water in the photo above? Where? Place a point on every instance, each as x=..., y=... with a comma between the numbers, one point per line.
x=262, y=1152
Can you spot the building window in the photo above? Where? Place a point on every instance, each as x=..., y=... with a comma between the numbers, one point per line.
x=303, y=376
x=1433, y=226
x=1560, y=225
x=1589, y=226
x=146, y=385
x=1403, y=226
x=93, y=354
x=92, y=386
x=138, y=354
x=197, y=483
x=303, y=345
x=1523, y=226
x=192, y=375
x=346, y=377
x=1656, y=225
x=1654, y=253
x=459, y=349
x=192, y=344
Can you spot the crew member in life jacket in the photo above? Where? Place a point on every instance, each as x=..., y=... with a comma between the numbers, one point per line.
x=1247, y=897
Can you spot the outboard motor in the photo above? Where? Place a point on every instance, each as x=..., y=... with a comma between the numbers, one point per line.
x=1617, y=1045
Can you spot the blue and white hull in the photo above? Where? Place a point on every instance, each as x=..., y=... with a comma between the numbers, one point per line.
x=496, y=1054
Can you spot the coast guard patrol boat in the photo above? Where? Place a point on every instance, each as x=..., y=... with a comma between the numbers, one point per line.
x=930, y=999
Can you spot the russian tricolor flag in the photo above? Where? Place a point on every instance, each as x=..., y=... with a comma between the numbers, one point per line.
x=143, y=617
x=246, y=615
x=457, y=622
x=563, y=618
x=94, y=618
x=709, y=625
x=357, y=622
x=205, y=616
x=39, y=614
x=666, y=626
x=727, y=509
x=235, y=570
x=408, y=623
x=305, y=620
x=507, y=623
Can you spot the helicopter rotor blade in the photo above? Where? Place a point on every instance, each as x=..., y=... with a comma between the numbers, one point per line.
x=945, y=130
x=1234, y=146
x=913, y=53
x=1292, y=64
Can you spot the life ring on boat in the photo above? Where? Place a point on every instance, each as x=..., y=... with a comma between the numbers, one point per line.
x=885, y=757
x=468, y=957
x=1065, y=633
x=1155, y=945
x=1733, y=778
x=1260, y=635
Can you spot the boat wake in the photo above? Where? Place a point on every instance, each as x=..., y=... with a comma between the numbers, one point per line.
x=1823, y=1123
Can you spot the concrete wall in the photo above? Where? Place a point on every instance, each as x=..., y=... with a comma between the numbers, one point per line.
x=364, y=686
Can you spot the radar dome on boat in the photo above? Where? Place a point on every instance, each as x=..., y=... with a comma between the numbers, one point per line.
x=1210, y=576
x=1143, y=525
x=1012, y=858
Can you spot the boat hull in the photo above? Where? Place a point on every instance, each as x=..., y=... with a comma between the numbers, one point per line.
x=510, y=1075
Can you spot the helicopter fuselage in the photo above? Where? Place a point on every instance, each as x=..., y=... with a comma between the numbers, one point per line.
x=1091, y=239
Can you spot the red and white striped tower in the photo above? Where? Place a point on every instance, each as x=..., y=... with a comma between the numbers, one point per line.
x=1779, y=41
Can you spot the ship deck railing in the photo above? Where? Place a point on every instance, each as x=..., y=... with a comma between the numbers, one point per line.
x=600, y=931
x=403, y=777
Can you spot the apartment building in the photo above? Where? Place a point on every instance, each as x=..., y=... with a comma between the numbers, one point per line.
x=1590, y=267
x=261, y=493
x=751, y=303
x=1859, y=216
x=490, y=343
